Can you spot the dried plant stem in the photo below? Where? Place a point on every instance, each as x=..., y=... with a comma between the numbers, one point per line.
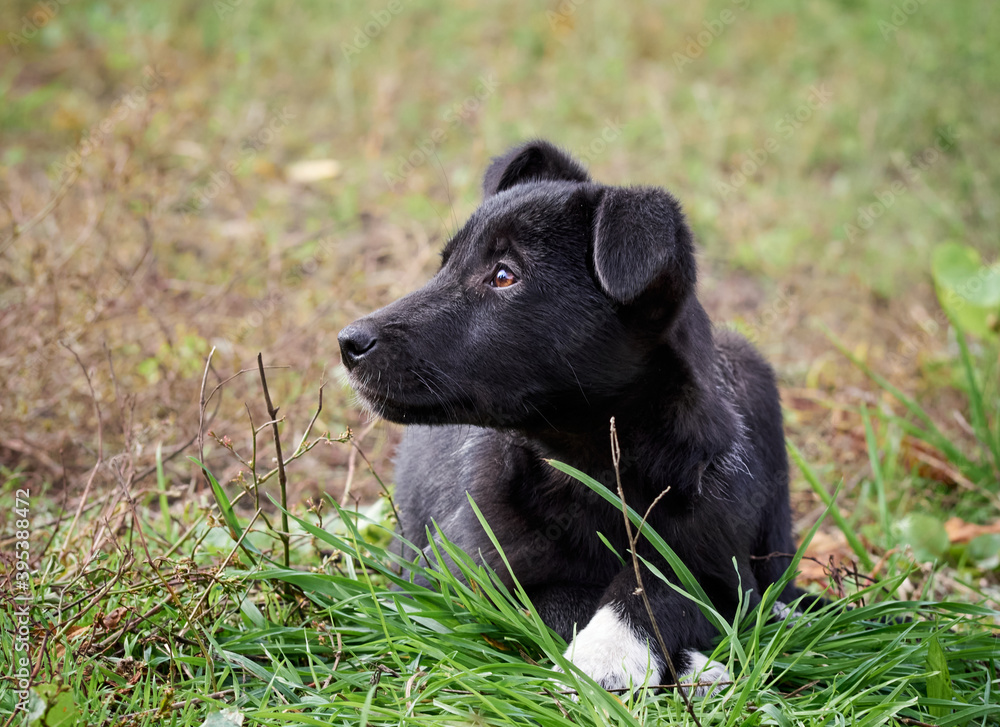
x=67, y=539
x=272, y=412
x=352, y=459
x=202, y=402
x=616, y=454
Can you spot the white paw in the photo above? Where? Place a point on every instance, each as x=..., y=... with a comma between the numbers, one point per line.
x=613, y=654
x=782, y=611
x=706, y=672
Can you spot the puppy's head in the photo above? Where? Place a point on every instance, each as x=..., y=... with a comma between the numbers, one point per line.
x=546, y=307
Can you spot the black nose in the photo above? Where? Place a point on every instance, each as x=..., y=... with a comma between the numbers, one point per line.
x=355, y=342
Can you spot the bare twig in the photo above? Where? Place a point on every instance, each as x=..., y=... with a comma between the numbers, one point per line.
x=126, y=480
x=175, y=706
x=236, y=375
x=616, y=455
x=282, y=480
x=381, y=484
x=253, y=459
x=123, y=566
x=312, y=422
x=44, y=211
x=218, y=572
x=100, y=453
x=352, y=459
x=202, y=401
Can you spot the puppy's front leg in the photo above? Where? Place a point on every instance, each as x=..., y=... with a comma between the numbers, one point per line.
x=618, y=647
x=615, y=652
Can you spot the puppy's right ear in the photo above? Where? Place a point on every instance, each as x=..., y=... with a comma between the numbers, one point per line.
x=534, y=161
x=641, y=239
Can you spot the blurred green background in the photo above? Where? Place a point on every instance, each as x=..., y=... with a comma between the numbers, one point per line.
x=252, y=175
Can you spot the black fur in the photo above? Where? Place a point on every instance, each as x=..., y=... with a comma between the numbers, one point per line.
x=602, y=322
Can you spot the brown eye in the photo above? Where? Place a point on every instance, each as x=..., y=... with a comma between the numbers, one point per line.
x=503, y=278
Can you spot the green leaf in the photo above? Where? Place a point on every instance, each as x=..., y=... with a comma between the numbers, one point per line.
x=229, y=514
x=925, y=534
x=984, y=550
x=968, y=291
x=958, y=267
x=225, y=506
x=938, y=683
x=610, y=547
x=52, y=706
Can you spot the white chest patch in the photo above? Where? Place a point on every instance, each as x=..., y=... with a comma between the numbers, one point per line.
x=613, y=654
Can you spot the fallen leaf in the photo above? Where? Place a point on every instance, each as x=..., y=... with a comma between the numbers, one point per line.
x=960, y=531
x=114, y=618
x=313, y=170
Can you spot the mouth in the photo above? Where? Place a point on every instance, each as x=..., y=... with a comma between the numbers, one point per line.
x=403, y=409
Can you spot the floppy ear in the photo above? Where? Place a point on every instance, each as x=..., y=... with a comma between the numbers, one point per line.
x=642, y=239
x=533, y=161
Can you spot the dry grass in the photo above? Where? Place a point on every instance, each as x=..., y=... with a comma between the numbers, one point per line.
x=183, y=228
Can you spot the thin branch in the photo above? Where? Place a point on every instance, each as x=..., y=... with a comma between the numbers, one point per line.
x=381, y=484
x=282, y=480
x=44, y=211
x=352, y=459
x=100, y=453
x=202, y=401
x=312, y=421
x=218, y=572
x=616, y=455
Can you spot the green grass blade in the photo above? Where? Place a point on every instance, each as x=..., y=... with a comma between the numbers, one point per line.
x=980, y=423
x=939, y=682
x=830, y=502
x=877, y=478
x=933, y=434
x=161, y=489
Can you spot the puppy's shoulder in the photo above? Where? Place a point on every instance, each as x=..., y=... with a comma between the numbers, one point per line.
x=739, y=361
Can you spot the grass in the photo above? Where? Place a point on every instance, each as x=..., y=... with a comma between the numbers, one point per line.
x=824, y=155
x=344, y=638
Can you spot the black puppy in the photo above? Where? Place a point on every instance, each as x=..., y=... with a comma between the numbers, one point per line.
x=560, y=304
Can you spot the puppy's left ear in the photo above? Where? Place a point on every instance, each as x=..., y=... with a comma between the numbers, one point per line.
x=641, y=240
x=534, y=161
